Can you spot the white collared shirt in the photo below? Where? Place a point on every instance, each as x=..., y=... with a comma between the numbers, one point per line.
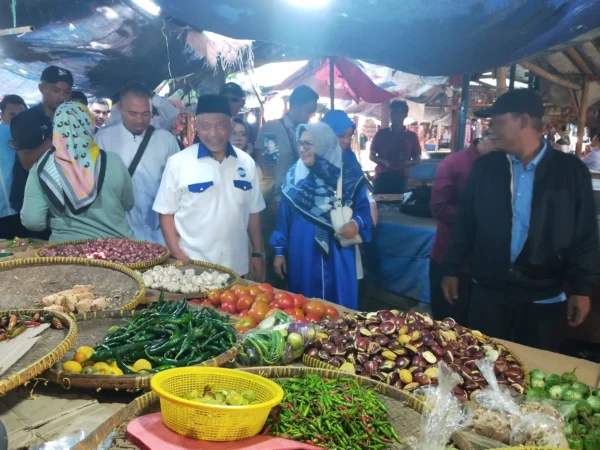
x=212, y=203
x=146, y=178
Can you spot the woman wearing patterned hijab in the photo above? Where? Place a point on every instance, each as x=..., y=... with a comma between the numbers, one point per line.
x=76, y=189
x=306, y=249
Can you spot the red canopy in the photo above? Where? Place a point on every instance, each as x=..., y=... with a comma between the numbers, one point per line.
x=350, y=82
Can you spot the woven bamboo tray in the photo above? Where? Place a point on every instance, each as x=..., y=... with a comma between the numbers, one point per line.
x=51, y=347
x=129, y=301
x=317, y=363
x=199, y=267
x=139, y=265
x=93, y=327
x=404, y=410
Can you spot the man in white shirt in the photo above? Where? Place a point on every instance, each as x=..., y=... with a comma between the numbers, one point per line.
x=146, y=165
x=209, y=199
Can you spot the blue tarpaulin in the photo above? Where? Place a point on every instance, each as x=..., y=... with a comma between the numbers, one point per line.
x=440, y=37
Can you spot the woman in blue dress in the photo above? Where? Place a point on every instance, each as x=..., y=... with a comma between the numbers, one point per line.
x=306, y=248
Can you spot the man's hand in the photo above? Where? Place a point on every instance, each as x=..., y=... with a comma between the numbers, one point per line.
x=348, y=231
x=280, y=266
x=257, y=269
x=578, y=307
x=181, y=256
x=450, y=288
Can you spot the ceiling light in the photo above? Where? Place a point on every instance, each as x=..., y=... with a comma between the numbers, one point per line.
x=251, y=118
x=309, y=3
x=148, y=6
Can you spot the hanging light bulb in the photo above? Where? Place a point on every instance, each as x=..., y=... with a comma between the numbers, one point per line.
x=251, y=118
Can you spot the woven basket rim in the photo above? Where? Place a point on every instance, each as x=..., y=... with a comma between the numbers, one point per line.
x=34, y=369
x=139, y=404
x=128, y=382
x=137, y=298
x=139, y=265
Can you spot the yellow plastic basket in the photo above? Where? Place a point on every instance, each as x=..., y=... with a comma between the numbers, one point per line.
x=214, y=422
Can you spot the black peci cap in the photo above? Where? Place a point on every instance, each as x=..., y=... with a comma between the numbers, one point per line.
x=233, y=89
x=518, y=101
x=54, y=74
x=215, y=104
x=30, y=129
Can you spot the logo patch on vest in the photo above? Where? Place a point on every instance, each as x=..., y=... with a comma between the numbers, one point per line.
x=241, y=172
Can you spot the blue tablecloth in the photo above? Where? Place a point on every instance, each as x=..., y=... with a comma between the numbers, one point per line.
x=402, y=247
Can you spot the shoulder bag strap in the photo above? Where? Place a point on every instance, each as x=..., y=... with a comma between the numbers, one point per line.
x=140, y=151
x=339, y=191
x=290, y=138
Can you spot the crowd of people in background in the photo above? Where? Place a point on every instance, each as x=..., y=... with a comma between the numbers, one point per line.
x=517, y=235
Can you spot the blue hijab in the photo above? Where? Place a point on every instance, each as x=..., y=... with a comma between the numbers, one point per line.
x=311, y=190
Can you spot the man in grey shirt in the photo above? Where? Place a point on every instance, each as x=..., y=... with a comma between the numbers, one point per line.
x=276, y=151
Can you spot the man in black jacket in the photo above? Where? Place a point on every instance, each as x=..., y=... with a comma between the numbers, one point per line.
x=527, y=223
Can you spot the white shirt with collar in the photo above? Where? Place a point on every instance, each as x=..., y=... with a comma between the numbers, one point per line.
x=212, y=203
x=146, y=178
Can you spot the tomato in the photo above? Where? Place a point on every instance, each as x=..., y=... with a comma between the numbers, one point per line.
x=262, y=298
x=240, y=290
x=254, y=290
x=272, y=311
x=228, y=296
x=313, y=317
x=290, y=311
x=286, y=301
x=330, y=311
x=266, y=287
x=207, y=303
x=242, y=329
x=317, y=308
x=243, y=314
x=258, y=312
x=214, y=297
x=229, y=307
x=279, y=295
x=299, y=312
x=299, y=301
x=247, y=322
x=244, y=302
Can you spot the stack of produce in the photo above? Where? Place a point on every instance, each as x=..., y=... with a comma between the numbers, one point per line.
x=578, y=402
x=403, y=350
x=78, y=299
x=255, y=302
x=165, y=336
x=15, y=324
x=210, y=396
x=172, y=279
x=123, y=251
x=335, y=414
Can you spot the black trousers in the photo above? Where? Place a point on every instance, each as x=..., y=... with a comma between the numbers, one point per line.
x=501, y=315
x=389, y=183
x=440, y=307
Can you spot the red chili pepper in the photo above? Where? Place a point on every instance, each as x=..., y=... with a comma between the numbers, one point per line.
x=363, y=419
x=344, y=408
x=321, y=438
x=31, y=323
x=36, y=317
x=288, y=406
x=267, y=428
x=56, y=323
x=384, y=439
x=12, y=322
x=348, y=398
x=368, y=417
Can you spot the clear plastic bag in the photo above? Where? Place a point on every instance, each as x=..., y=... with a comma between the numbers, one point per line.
x=538, y=430
x=443, y=413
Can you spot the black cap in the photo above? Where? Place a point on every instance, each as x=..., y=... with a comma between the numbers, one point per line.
x=54, y=74
x=215, y=104
x=234, y=89
x=30, y=129
x=518, y=101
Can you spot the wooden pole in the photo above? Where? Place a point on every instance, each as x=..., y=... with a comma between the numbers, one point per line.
x=385, y=114
x=583, y=108
x=331, y=82
x=501, y=80
x=547, y=75
x=579, y=61
x=574, y=105
x=464, y=110
x=513, y=76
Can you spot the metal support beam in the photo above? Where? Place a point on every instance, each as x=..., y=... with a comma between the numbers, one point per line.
x=512, y=76
x=583, y=108
x=464, y=111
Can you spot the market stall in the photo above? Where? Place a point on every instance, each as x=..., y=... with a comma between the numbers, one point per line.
x=292, y=368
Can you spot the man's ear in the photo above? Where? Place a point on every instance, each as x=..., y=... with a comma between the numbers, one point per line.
x=41, y=87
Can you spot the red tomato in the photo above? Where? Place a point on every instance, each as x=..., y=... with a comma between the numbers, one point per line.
x=244, y=302
x=272, y=311
x=262, y=298
x=266, y=287
x=254, y=290
x=240, y=290
x=242, y=329
x=290, y=311
x=247, y=322
x=317, y=308
x=299, y=312
x=258, y=312
x=299, y=301
x=207, y=303
x=330, y=311
x=214, y=297
x=228, y=296
x=229, y=307
x=312, y=317
x=286, y=301
x=279, y=294
x=243, y=314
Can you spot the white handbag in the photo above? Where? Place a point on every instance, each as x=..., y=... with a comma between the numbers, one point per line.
x=341, y=215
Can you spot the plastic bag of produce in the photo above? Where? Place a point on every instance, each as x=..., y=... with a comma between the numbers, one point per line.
x=538, y=430
x=279, y=344
x=443, y=413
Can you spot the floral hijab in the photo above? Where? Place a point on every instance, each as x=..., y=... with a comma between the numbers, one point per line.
x=72, y=172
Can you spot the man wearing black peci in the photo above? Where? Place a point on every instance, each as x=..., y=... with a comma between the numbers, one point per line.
x=527, y=223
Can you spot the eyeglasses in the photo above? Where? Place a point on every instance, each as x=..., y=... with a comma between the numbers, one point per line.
x=306, y=144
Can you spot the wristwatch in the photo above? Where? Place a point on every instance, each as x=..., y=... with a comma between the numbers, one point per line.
x=258, y=255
